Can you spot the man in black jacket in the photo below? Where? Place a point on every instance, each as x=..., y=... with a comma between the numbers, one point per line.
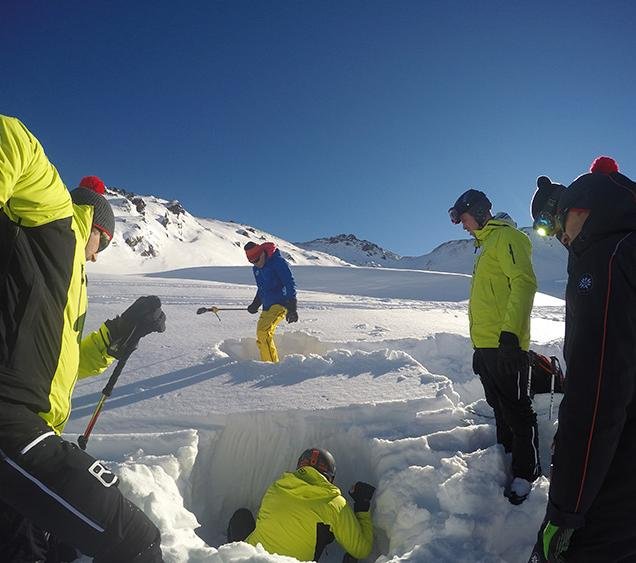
x=590, y=515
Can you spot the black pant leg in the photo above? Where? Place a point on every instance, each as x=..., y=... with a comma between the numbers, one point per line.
x=241, y=525
x=504, y=432
x=20, y=539
x=517, y=412
x=63, y=490
x=324, y=537
x=609, y=534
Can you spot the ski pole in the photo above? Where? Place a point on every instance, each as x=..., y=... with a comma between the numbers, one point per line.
x=106, y=392
x=216, y=310
x=556, y=368
x=551, y=396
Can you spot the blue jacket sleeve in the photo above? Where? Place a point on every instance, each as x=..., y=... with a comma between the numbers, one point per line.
x=285, y=275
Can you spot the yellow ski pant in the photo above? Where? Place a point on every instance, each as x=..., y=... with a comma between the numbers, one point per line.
x=265, y=328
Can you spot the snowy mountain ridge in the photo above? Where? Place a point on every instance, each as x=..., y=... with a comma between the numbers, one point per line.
x=154, y=235
x=457, y=256
x=353, y=250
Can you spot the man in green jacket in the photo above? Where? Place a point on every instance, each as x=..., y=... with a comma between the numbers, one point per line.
x=501, y=296
x=47, y=484
x=304, y=511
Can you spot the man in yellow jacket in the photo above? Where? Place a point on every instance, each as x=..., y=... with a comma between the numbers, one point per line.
x=302, y=512
x=501, y=296
x=48, y=485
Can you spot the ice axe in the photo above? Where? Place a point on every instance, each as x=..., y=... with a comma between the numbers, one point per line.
x=216, y=310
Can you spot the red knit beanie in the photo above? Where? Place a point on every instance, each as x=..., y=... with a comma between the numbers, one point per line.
x=93, y=183
x=90, y=192
x=604, y=165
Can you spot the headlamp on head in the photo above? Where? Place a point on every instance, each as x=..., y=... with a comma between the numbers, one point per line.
x=545, y=224
x=548, y=220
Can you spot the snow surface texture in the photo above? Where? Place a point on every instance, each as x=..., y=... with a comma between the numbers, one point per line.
x=378, y=371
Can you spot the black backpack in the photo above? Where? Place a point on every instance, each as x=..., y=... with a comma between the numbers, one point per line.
x=546, y=375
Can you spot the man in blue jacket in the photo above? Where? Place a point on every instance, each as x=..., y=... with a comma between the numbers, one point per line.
x=276, y=292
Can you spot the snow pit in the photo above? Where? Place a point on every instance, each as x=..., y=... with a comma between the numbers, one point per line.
x=433, y=457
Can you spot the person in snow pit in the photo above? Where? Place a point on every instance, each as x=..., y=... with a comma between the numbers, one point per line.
x=302, y=512
x=590, y=514
x=49, y=487
x=276, y=292
x=501, y=295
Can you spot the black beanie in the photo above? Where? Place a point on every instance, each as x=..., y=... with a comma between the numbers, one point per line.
x=90, y=192
x=546, y=198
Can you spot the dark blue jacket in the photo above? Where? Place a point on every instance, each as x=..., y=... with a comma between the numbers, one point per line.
x=274, y=280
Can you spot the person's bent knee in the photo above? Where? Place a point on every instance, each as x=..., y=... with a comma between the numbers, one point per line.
x=133, y=538
x=241, y=525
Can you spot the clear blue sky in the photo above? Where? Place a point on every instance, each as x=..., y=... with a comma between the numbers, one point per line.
x=312, y=118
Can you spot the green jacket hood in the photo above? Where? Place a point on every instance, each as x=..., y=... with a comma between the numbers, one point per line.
x=307, y=483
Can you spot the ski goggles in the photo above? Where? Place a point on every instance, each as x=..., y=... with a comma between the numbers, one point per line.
x=549, y=224
x=454, y=216
x=104, y=238
x=254, y=253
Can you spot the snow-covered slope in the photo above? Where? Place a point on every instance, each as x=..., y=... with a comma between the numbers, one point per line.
x=549, y=257
x=153, y=235
x=378, y=369
x=156, y=235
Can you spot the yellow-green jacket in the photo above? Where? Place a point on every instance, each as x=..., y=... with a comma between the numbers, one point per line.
x=503, y=284
x=295, y=504
x=42, y=282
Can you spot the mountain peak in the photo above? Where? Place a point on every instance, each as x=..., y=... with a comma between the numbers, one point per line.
x=350, y=248
x=154, y=234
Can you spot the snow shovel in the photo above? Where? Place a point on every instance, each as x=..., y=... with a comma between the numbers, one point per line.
x=216, y=310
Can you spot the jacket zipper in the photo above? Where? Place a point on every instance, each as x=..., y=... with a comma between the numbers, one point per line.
x=511, y=253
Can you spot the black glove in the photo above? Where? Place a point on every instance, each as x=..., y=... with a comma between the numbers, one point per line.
x=141, y=318
x=361, y=493
x=553, y=541
x=292, y=314
x=254, y=305
x=476, y=362
x=511, y=359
